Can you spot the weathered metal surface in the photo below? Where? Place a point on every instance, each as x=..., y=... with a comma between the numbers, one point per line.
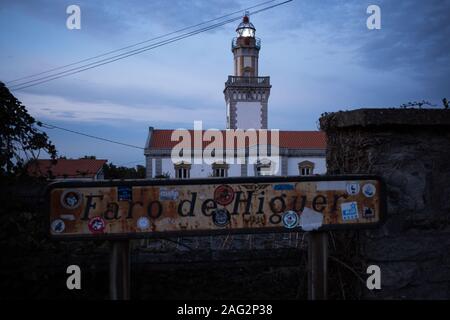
x=145, y=208
x=317, y=265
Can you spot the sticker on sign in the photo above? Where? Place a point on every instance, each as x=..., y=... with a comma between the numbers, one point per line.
x=146, y=208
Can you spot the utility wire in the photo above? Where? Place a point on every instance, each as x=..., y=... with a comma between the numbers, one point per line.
x=50, y=126
x=113, y=58
x=131, y=53
x=136, y=44
x=119, y=56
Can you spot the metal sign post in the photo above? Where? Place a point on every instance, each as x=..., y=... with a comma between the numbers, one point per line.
x=119, y=270
x=317, y=265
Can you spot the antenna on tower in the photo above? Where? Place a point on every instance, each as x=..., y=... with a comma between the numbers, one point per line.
x=245, y=19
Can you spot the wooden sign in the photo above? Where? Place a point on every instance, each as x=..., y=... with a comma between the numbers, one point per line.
x=146, y=208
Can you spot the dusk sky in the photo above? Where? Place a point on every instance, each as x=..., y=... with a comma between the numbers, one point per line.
x=320, y=55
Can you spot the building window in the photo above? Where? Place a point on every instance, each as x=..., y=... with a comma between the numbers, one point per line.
x=219, y=172
x=306, y=168
x=248, y=71
x=220, y=169
x=247, y=61
x=183, y=170
x=305, y=171
x=263, y=168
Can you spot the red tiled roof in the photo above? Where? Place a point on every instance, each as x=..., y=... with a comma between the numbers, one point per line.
x=161, y=139
x=66, y=168
x=303, y=140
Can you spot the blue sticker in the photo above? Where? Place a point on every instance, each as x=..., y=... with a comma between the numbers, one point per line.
x=283, y=187
x=221, y=217
x=352, y=188
x=143, y=223
x=369, y=190
x=71, y=199
x=349, y=211
x=58, y=226
x=168, y=194
x=124, y=193
x=290, y=219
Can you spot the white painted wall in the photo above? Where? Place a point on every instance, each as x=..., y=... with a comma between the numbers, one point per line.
x=248, y=115
x=197, y=170
x=201, y=171
x=166, y=167
x=205, y=170
x=234, y=170
x=250, y=170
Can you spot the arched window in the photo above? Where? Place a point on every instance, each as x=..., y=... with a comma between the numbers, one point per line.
x=306, y=168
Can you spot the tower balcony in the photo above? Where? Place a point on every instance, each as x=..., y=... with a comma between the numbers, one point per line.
x=245, y=42
x=246, y=81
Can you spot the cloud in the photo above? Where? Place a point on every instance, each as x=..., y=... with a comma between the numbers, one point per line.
x=319, y=54
x=61, y=109
x=115, y=18
x=414, y=36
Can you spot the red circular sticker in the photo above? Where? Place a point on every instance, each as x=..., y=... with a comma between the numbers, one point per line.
x=96, y=224
x=224, y=195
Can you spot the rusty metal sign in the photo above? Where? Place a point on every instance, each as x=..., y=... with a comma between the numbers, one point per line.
x=145, y=208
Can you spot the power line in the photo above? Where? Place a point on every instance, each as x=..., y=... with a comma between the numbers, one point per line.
x=136, y=44
x=124, y=55
x=113, y=58
x=50, y=126
x=131, y=53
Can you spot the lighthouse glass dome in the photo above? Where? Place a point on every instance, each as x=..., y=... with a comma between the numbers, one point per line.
x=246, y=28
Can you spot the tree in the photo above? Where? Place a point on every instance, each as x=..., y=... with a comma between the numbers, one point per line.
x=418, y=104
x=112, y=171
x=164, y=175
x=140, y=171
x=445, y=103
x=20, y=139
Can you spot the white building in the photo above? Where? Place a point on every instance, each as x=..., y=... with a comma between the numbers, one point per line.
x=246, y=96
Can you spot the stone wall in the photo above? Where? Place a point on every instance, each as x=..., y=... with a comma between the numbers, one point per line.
x=223, y=267
x=410, y=149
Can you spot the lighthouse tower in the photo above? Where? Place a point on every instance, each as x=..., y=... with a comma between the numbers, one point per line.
x=246, y=94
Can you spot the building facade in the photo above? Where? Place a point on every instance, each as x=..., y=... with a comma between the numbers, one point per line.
x=247, y=99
